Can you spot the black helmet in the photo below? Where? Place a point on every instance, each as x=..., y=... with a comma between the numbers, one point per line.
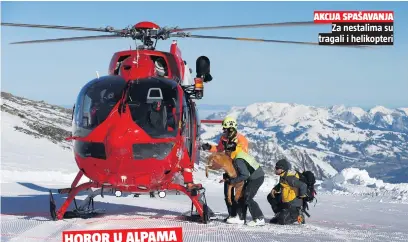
x=157, y=106
x=283, y=164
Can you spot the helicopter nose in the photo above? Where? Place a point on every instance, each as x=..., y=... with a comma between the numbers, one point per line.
x=115, y=143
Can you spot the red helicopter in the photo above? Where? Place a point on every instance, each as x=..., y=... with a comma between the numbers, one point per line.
x=137, y=129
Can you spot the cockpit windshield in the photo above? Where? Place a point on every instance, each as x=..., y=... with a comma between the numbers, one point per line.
x=94, y=103
x=153, y=103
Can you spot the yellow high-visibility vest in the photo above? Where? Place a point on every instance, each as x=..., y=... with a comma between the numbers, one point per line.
x=249, y=159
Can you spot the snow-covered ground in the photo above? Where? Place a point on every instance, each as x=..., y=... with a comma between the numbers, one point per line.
x=351, y=206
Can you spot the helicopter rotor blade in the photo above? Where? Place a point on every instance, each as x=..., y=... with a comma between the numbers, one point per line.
x=264, y=40
x=281, y=24
x=69, y=39
x=107, y=29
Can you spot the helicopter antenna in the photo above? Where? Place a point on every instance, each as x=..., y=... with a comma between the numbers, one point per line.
x=136, y=60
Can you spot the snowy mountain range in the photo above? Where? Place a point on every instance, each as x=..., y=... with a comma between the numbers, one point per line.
x=325, y=140
x=41, y=119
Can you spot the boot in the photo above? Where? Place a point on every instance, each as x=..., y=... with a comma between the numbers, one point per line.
x=256, y=222
x=286, y=216
x=235, y=220
x=238, y=219
x=230, y=209
x=274, y=220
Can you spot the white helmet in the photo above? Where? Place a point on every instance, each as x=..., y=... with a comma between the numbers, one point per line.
x=229, y=122
x=159, y=68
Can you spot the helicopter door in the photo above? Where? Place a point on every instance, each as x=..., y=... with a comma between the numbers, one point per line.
x=187, y=131
x=191, y=129
x=195, y=131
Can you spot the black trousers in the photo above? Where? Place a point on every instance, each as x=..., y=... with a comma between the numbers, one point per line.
x=232, y=209
x=286, y=214
x=247, y=201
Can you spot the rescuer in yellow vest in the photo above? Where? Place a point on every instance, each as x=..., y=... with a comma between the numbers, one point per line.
x=250, y=171
x=286, y=197
x=230, y=133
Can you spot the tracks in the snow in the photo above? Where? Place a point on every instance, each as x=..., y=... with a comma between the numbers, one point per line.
x=23, y=228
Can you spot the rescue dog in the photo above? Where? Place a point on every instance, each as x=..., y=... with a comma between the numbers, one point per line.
x=221, y=161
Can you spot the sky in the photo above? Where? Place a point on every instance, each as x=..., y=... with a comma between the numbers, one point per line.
x=243, y=72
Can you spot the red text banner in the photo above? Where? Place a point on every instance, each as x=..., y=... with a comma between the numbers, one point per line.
x=174, y=234
x=325, y=17
x=361, y=28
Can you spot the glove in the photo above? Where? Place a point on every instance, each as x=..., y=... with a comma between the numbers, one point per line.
x=231, y=146
x=226, y=180
x=206, y=146
x=274, y=192
x=225, y=176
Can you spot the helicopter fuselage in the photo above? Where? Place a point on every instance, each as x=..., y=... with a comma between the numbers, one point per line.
x=123, y=147
x=125, y=142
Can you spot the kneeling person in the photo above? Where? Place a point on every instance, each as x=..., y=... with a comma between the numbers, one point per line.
x=251, y=172
x=286, y=197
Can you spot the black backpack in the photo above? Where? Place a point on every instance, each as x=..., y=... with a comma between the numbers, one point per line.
x=309, y=179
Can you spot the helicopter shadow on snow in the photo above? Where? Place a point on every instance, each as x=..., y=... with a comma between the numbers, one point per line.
x=37, y=206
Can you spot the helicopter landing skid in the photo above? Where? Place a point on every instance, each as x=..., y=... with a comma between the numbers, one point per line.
x=77, y=212
x=85, y=209
x=198, y=200
x=194, y=215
